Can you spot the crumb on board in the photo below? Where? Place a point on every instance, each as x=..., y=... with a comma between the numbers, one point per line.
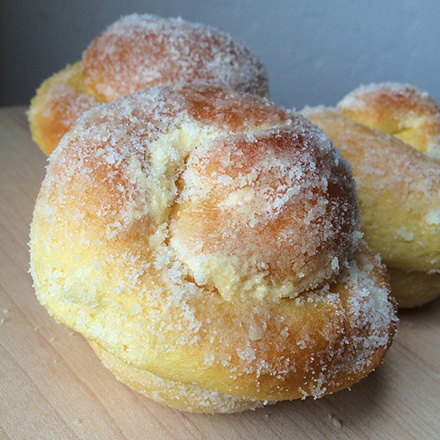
x=335, y=421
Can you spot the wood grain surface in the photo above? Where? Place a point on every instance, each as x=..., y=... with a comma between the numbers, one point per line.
x=52, y=386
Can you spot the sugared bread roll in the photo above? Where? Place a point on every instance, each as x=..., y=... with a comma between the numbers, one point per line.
x=207, y=244
x=398, y=186
x=132, y=54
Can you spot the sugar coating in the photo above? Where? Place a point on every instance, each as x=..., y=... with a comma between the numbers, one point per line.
x=286, y=178
x=390, y=133
x=65, y=93
x=123, y=252
x=134, y=53
x=398, y=109
x=274, y=213
x=358, y=96
x=398, y=196
x=59, y=102
x=140, y=51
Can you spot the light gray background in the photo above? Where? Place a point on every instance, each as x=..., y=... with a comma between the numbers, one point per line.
x=315, y=50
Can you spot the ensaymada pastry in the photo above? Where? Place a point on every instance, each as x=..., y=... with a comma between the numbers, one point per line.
x=206, y=243
x=390, y=134
x=134, y=53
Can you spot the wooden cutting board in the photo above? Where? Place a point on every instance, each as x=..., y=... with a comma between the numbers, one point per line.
x=52, y=386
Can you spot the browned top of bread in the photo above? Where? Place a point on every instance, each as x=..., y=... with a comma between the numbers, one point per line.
x=397, y=109
x=140, y=51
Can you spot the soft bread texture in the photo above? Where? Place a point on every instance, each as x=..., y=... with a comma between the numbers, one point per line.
x=132, y=54
x=398, y=186
x=210, y=239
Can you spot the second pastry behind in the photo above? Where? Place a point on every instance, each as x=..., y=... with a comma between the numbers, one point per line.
x=132, y=54
x=390, y=134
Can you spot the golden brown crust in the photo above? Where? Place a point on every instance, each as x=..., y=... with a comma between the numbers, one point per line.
x=59, y=101
x=111, y=258
x=147, y=50
x=134, y=53
x=399, y=199
x=397, y=109
x=243, y=207
x=405, y=234
x=412, y=116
